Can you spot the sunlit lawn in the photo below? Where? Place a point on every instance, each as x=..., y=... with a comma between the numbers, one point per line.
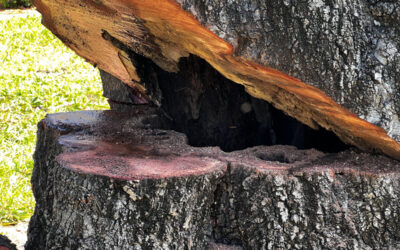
x=38, y=75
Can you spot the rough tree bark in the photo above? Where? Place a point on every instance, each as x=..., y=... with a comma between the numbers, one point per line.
x=341, y=52
x=115, y=180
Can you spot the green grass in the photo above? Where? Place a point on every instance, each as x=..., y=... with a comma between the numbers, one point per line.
x=38, y=75
x=15, y=3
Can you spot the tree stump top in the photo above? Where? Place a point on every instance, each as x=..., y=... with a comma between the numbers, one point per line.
x=134, y=151
x=141, y=187
x=136, y=159
x=279, y=159
x=122, y=144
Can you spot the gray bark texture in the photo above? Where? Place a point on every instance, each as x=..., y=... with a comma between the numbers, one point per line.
x=122, y=180
x=348, y=49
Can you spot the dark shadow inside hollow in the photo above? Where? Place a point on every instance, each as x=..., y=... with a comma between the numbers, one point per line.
x=214, y=111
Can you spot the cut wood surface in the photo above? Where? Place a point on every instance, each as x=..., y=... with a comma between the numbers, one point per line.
x=106, y=32
x=109, y=179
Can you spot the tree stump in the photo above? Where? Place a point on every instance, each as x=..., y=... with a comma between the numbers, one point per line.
x=238, y=128
x=122, y=180
x=104, y=180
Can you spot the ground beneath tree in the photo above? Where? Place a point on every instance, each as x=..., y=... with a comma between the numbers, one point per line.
x=8, y=14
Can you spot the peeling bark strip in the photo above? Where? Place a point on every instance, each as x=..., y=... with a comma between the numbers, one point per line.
x=164, y=32
x=108, y=179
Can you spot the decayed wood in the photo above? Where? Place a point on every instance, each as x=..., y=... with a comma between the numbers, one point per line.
x=107, y=179
x=104, y=33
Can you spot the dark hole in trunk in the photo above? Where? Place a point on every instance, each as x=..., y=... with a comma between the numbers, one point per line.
x=214, y=111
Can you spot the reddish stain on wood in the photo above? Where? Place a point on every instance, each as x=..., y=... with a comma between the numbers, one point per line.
x=135, y=162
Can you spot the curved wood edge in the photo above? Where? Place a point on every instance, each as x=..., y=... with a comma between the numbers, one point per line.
x=164, y=32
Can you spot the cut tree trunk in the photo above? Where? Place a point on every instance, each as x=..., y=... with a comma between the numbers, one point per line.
x=120, y=180
x=107, y=179
x=183, y=76
x=327, y=64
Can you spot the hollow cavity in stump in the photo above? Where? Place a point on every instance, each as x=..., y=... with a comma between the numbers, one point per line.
x=213, y=111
